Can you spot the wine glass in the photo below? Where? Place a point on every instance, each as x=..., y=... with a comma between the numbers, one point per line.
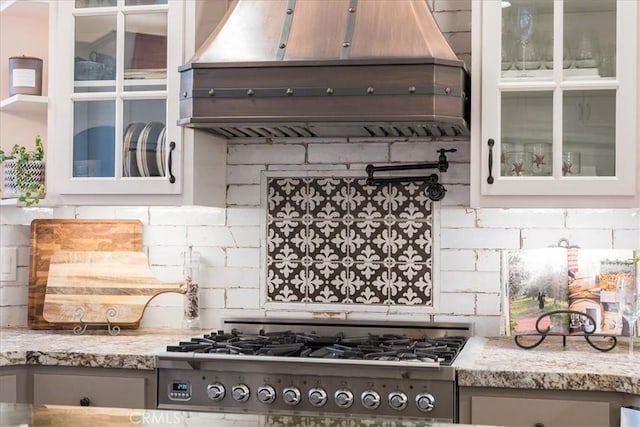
x=523, y=29
x=628, y=298
x=571, y=163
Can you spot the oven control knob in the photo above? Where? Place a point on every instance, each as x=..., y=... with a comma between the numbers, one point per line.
x=240, y=392
x=425, y=402
x=317, y=397
x=397, y=400
x=291, y=395
x=266, y=394
x=370, y=399
x=215, y=391
x=343, y=398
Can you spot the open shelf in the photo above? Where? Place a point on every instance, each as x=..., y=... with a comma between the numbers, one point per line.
x=24, y=7
x=20, y=104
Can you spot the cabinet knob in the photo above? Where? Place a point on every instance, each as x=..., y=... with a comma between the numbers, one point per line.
x=85, y=401
x=538, y=425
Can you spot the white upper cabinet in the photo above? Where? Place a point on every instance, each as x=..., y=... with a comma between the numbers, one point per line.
x=113, y=110
x=115, y=88
x=555, y=103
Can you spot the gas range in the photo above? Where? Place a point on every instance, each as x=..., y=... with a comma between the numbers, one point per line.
x=269, y=366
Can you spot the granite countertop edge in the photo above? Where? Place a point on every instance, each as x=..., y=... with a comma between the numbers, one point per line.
x=548, y=380
x=131, y=349
x=498, y=362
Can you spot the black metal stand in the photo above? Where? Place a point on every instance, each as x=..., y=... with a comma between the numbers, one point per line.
x=586, y=334
x=435, y=191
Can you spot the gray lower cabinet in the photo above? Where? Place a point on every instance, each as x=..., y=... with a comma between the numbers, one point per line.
x=117, y=388
x=8, y=388
x=13, y=385
x=541, y=408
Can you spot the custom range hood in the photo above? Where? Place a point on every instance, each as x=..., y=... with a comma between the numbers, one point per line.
x=326, y=68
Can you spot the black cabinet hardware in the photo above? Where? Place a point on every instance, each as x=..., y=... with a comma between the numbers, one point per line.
x=172, y=146
x=491, y=143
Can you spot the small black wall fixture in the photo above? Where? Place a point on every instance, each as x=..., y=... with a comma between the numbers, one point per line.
x=435, y=191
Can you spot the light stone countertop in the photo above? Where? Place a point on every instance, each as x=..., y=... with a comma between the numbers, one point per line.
x=484, y=362
x=132, y=348
x=499, y=362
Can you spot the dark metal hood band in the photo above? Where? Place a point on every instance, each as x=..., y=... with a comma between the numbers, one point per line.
x=321, y=91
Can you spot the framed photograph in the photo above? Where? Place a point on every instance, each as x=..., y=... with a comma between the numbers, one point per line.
x=538, y=281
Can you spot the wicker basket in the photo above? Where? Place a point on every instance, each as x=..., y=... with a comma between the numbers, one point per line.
x=33, y=178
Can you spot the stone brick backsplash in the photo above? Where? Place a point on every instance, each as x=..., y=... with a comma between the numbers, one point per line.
x=339, y=240
x=468, y=275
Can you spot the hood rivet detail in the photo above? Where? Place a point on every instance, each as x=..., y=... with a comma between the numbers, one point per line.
x=412, y=89
x=212, y=92
x=289, y=91
x=369, y=90
x=250, y=92
x=346, y=44
x=329, y=91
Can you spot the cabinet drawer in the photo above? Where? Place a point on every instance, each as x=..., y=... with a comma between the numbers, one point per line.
x=8, y=388
x=530, y=412
x=116, y=392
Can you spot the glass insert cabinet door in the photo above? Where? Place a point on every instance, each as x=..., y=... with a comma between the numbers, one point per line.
x=124, y=138
x=558, y=107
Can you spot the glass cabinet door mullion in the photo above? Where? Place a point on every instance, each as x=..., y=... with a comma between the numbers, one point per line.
x=157, y=94
x=119, y=90
x=557, y=144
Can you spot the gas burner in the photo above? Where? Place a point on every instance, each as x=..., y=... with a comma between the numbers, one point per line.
x=385, y=347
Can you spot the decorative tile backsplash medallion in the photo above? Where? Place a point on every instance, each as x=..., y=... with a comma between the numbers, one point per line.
x=340, y=241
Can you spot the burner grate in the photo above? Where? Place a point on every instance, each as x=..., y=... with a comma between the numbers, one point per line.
x=383, y=347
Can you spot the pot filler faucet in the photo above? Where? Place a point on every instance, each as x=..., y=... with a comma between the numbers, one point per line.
x=435, y=190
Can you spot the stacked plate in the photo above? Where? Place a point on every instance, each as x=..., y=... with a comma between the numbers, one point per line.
x=144, y=149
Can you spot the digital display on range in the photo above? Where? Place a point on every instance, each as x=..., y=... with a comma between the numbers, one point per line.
x=180, y=386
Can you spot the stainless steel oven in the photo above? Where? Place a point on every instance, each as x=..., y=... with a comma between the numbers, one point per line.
x=338, y=368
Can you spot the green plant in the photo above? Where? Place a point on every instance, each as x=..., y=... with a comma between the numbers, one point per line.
x=28, y=182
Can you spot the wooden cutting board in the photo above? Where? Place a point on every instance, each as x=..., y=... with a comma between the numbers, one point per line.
x=101, y=287
x=49, y=236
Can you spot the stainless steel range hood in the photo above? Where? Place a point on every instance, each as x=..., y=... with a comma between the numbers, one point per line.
x=326, y=68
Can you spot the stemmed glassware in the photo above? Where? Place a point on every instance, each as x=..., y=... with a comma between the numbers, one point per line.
x=524, y=17
x=628, y=298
